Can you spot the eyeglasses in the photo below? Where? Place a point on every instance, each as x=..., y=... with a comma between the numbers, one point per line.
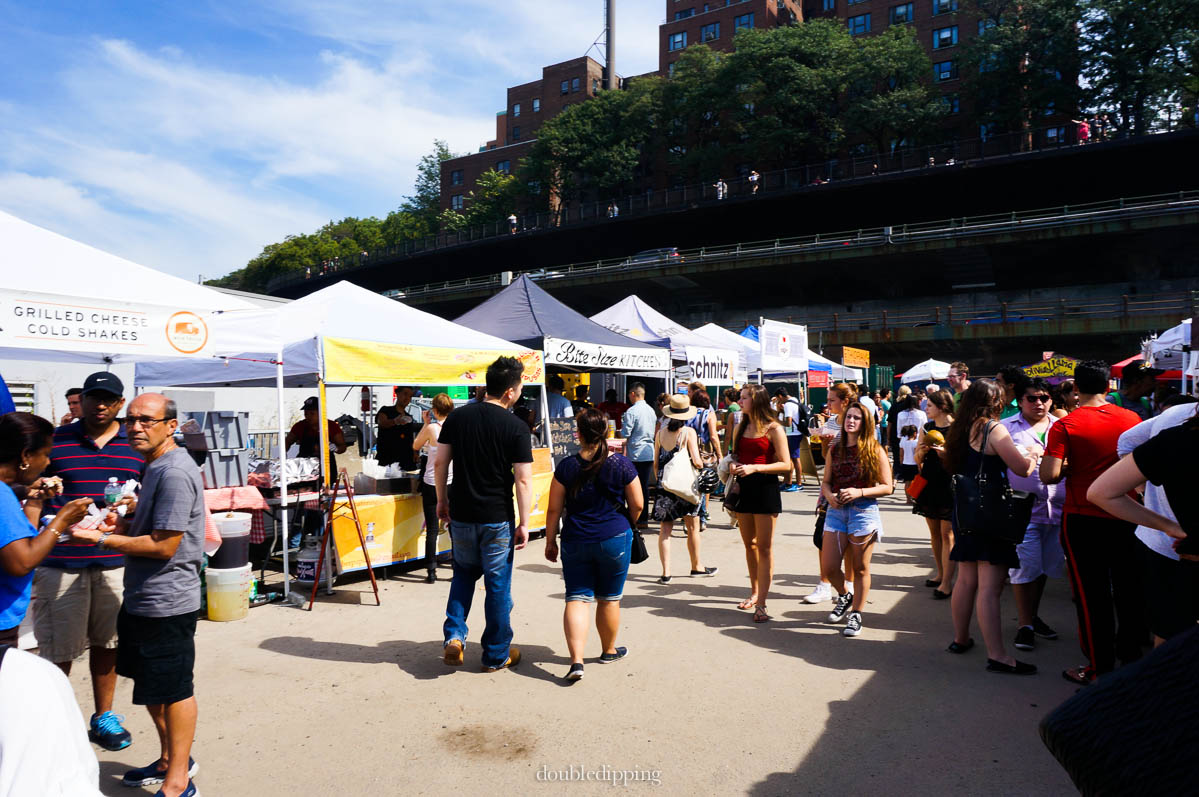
x=1039, y=398
x=145, y=422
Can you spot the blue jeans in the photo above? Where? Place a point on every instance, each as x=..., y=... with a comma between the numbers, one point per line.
x=482, y=549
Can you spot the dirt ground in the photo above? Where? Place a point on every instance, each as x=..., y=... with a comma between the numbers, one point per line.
x=354, y=699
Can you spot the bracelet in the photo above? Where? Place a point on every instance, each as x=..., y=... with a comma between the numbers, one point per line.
x=103, y=537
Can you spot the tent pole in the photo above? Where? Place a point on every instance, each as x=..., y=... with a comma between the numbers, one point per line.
x=281, y=454
x=545, y=415
x=325, y=475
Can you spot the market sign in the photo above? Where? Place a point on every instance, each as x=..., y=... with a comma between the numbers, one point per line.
x=588, y=356
x=32, y=320
x=712, y=366
x=1054, y=369
x=367, y=362
x=855, y=358
x=784, y=347
x=818, y=378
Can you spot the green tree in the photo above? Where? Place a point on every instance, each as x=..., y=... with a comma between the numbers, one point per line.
x=1025, y=62
x=888, y=98
x=598, y=147
x=700, y=110
x=1136, y=55
x=424, y=205
x=494, y=197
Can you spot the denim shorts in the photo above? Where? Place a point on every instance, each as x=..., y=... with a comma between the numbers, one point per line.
x=857, y=519
x=596, y=569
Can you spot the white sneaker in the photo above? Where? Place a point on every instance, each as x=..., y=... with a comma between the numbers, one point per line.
x=822, y=593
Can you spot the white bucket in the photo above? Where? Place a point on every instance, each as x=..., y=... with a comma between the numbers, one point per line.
x=229, y=593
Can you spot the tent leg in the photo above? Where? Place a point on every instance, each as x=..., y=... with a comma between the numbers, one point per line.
x=327, y=478
x=281, y=454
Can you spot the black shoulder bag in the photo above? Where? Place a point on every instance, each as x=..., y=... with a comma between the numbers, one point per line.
x=639, y=553
x=987, y=504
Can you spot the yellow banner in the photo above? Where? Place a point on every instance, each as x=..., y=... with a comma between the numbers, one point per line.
x=855, y=358
x=1053, y=367
x=363, y=362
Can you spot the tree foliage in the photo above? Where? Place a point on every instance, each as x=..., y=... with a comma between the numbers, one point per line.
x=494, y=198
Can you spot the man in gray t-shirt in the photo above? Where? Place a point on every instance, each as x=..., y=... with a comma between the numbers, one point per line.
x=156, y=627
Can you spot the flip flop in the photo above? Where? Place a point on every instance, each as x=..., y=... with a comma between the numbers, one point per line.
x=1078, y=675
x=747, y=604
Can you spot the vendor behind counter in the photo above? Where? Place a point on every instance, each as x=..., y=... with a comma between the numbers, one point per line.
x=307, y=434
x=397, y=430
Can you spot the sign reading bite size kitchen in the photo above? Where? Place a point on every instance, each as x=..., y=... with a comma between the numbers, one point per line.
x=577, y=354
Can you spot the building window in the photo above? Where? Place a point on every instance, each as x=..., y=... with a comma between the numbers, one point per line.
x=516, y=109
x=677, y=41
x=855, y=2
x=670, y=69
x=574, y=85
x=566, y=87
x=902, y=14
x=953, y=103
x=709, y=32
x=743, y=21
x=859, y=24
x=830, y=5
x=456, y=177
x=595, y=85
x=1055, y=135
x=686, y=12
x=987, y=131
x=516, y=133
x=945, y=70
x=504, y=166
x=985, y=25
x=536, y=105
x=534, y=187
x=944, y=6
x=456, y=202
x=945, y=37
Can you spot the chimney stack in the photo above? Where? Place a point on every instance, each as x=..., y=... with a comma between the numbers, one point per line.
x=610, y=46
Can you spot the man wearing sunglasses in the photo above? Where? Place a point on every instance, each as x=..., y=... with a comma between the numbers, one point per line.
x=79, y=587
x=163, y=546
x=1041, y=552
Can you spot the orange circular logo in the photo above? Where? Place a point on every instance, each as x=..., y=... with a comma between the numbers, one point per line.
x=186, y=332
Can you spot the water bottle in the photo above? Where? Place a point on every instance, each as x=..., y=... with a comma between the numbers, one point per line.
x=112, y=491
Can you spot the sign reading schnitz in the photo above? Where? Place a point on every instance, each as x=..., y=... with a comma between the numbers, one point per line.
x=587, y=356
x=712, y=366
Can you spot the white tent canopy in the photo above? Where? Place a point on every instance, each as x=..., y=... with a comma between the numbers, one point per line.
x=70, y=302
x=343, y=311
x=1167, y=351
x=636, y=319
x=926, y=371
x=753, y=354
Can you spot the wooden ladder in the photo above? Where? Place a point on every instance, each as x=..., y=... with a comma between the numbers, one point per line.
x=342, y=484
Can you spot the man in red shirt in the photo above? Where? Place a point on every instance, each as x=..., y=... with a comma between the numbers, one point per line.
x=1101, y=550
x=612, y=408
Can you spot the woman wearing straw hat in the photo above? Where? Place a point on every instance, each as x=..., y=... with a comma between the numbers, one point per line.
x=675, y=437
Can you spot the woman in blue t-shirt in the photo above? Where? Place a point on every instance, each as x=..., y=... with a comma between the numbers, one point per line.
x=594, y=493
x=25, y=443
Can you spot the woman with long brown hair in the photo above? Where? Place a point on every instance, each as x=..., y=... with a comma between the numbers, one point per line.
x=840, y=396
x=856, y=474
x=760, y=455
x=675, y=438
x=977, y=441
x=935, y=502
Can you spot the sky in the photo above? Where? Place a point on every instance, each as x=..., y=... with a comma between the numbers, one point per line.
x=188, y=136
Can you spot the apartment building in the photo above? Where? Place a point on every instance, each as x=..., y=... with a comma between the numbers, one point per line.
x=715, y=23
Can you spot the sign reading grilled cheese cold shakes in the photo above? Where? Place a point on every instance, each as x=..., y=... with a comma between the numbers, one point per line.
x=38, y=320
x=577, y=354
x=712, y=366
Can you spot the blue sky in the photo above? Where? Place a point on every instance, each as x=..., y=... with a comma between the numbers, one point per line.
x=186, y=136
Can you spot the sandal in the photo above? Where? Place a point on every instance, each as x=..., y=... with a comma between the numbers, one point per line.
x=961, y=647
x=1078, y=675
x=748, y=603
x=760, y=615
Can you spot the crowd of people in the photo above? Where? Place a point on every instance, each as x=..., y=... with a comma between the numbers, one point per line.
x=1019, y=482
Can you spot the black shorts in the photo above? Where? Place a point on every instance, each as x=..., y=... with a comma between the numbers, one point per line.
x=1173, y=593
x=760, y=495
x=159, y=654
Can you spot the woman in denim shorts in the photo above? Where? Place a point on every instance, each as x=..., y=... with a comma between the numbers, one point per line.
x=856, y=474
x=597, y=492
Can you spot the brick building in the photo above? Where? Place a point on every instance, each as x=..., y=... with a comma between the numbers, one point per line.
x=716, y=22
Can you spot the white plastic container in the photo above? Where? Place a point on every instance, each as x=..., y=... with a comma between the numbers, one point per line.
x=234, y=550
x=229, y=593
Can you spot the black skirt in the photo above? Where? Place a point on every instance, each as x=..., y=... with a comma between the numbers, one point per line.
x=760, y=494
x=974, y=547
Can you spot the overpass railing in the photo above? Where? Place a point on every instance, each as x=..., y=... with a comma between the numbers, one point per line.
x=807, y=177
x=956, y=227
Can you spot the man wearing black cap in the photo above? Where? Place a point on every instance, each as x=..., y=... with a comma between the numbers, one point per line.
x=79, y=586
x=307, y=433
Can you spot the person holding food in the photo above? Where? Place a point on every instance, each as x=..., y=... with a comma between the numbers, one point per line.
x=25, y=444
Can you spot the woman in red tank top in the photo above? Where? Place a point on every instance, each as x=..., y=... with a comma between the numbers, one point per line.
x=760, y=456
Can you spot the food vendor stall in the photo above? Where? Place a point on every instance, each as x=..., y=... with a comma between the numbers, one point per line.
x=347, y=335
x=527, y=315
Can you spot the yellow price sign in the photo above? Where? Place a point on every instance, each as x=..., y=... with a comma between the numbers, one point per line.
x=855, y=358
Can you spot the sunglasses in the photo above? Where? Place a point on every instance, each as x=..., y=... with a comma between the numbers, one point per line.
x=1039, y=398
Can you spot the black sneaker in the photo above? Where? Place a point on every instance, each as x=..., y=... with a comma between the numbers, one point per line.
x=841, y=608
x=706, y=572
x=608, y=658
x=853, y=626
x=663, y=579
x=576, y=672
x=1042, y=630
x=1025, y=639
x=151, y=774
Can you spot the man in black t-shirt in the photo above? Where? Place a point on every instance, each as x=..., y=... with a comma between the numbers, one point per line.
x=397, y=430
x=492, y=452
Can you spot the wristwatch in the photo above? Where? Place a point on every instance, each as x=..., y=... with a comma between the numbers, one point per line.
x=103, y=537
